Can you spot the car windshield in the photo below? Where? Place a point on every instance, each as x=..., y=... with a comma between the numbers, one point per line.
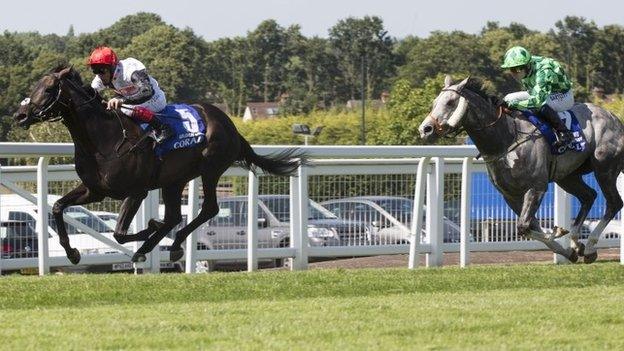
x=401, y=209
x=84, y=217
x=280, y=207
x=16, y=230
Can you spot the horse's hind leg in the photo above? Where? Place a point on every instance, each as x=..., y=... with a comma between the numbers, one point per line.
x=129, y=208
x=607, y=181
x=172, y=197
x=575, y=185
x=209, y=209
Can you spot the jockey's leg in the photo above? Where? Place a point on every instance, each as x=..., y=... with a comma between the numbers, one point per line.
x=564, y=135
x=143, y=114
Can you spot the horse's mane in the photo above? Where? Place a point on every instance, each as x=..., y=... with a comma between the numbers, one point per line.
x=74, y=76
x=484, y=89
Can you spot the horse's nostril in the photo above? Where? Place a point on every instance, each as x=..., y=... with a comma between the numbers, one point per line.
x=428, y=129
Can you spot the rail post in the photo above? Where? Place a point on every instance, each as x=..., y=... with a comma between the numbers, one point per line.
x=190, y=265
x=466, y=193
x=563, y=218
x=299, y=218
x=252, y=223
x=435, y=212
x=417, y=214
x=43, y=255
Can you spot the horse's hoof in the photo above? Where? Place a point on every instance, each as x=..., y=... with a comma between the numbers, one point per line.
x=573, y=256
x=580, y=250
x=154, y=225
x=175, y=255
x=138, y=257
x=558, y=232
x=120, y=238
x=590, y=258
x=74, y=256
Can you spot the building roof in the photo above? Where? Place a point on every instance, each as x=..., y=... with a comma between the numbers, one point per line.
x=260, y=110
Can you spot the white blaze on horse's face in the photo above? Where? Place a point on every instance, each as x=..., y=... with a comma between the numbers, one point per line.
x=448, y=110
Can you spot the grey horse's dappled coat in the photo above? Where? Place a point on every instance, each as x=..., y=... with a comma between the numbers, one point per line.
x=520, y=164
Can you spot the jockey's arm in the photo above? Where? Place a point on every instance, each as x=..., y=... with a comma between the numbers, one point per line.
x=145, y=90
x=538, y=94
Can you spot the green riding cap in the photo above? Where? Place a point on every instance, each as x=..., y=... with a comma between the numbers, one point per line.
x=516, y=56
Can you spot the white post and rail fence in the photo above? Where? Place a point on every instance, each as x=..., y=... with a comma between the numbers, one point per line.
x=428, y=163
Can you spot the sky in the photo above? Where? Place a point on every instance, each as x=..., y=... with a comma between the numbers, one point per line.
x=228, y=18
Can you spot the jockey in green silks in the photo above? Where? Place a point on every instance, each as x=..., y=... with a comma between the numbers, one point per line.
x=548, y=89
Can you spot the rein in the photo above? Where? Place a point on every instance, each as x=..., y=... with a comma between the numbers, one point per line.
x=55, y=116
x=439, y=128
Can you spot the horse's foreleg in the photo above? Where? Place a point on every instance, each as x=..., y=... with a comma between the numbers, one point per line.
x=78, y=196
x=128, y=210
x=529, y=227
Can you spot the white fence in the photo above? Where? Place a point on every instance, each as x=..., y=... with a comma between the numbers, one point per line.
x=429, y=164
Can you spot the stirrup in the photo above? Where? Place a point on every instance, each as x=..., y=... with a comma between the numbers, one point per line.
x=162, y=135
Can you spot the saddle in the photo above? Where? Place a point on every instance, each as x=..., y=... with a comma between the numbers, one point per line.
x=189, y=128
x=578, y=143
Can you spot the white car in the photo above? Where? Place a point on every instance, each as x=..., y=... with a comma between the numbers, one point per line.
x=389, y=216
x=15, y=208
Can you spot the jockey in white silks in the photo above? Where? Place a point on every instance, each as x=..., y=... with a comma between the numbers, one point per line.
x=133, y=87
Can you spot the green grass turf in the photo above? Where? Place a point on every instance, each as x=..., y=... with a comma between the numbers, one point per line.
x=483, y=307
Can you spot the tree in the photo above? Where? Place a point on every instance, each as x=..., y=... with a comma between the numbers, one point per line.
x=454, y=52
x=577, y=37
x=174, y=58
x=354, y=40
x=269, y=49
x=229, y=71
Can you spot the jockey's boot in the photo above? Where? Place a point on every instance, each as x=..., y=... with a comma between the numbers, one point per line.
x=162, y=130
x=563, y=134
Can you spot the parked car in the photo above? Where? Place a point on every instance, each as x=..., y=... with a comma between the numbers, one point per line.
x=18, y=239
x=109, y=218
x=14, y=208
x=389, y=216
x=228, y=229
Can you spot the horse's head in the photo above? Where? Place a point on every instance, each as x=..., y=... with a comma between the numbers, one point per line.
x=46, y=100
x=467, y=104
x=449, y=107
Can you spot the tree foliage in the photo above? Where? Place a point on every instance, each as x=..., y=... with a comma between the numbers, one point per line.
x=309, y=74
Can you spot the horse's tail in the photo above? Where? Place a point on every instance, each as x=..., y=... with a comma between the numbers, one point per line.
x=284, y=163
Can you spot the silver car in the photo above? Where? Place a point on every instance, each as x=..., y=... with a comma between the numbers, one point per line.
x=389, y=216
x=228, y=229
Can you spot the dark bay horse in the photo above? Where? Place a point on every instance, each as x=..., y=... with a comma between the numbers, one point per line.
x=113, y=160
x=520, y=164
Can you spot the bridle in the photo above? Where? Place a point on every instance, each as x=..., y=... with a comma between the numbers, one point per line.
x=49, y=111
x=440, y=127
x=499, y=114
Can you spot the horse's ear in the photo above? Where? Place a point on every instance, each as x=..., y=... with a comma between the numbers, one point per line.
x=64, y=72
x=448, y=81
x=463, y=83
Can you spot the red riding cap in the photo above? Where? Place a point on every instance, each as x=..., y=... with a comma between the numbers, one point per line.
x=103, y=56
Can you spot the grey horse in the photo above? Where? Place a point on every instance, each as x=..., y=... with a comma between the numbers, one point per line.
x=520, y=164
